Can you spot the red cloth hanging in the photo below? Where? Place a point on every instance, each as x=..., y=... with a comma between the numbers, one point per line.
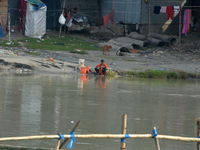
x=22, y=16
x=111, y=15
x=170, y=12
x=68, y=15
x=105, y=19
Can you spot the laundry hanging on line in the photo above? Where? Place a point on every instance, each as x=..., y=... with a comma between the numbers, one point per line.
x=157, y=9
x=186, y=21
x=163, y=9
x=170, y=12
x=109, y=16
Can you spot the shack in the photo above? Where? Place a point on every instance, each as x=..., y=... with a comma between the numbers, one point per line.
x=131, y=14
x=141, y=14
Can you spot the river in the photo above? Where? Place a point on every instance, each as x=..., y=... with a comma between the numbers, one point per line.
x=48, y=104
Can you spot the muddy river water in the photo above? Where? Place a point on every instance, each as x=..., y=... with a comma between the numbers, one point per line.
x=48, y=104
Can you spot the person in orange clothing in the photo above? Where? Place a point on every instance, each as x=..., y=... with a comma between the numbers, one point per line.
x=101, y=68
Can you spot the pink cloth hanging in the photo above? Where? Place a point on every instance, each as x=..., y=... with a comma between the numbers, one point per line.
x=186, y=21
x=163, y=9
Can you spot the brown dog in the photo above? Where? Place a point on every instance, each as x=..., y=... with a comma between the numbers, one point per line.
x=106, y=47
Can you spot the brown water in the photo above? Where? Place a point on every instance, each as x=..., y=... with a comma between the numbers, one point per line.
x=43, y=104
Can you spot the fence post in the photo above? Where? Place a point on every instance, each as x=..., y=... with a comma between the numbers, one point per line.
x=198, y=132
x=156, y=139
x=124, y=125
x=57, y=144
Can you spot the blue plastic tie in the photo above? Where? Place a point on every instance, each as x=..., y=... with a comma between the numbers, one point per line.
x=124, y=139
x=198, y=137
x=72, y=139
x=61, y=136
x=154, y=133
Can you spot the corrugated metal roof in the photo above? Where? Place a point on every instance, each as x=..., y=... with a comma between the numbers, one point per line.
x=127, y=11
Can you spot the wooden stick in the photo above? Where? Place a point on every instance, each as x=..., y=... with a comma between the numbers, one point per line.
x=198, y=132
x=114, y=24
x=124, y=125
x=180, y=26
x=149, y=18
x=62, y=13
x=58, y=144
x=9, y=27
x=66, y=139
x=156, y=141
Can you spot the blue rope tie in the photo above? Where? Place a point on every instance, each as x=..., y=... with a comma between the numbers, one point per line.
x=72, y=139
x=124, y=139
x=154, y=133
x=61, y=136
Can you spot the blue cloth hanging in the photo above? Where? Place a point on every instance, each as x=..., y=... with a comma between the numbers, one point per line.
x=1, y=34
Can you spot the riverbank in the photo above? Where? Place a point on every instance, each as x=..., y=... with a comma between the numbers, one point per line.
x=25, y=55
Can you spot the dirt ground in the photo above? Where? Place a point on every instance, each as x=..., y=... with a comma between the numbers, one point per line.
x=185, y=57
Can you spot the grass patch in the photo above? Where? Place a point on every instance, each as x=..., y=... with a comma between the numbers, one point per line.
x=133, y=60
x=13, y=44
x=33, y=53
x=159, y=74
x=112, y=58
x=79, y=52
x=68, y=43
x=111, y=73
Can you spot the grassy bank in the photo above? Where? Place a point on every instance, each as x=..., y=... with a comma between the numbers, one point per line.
x=156, y=74
x=68, y=43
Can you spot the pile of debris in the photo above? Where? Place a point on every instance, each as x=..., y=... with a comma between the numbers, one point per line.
x=136, y=41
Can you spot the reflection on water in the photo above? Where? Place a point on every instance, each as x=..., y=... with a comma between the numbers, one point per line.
x=44, y=104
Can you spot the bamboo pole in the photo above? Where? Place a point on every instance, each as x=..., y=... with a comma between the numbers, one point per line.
x=156, y=141
x=198, y=132
x=180, y=25
x=114, y=16
x=66, y=139
x=124, y=125
x=58, y=144
x=97, y=136
x=149, y=18
x=9, y=27
x=62, y=13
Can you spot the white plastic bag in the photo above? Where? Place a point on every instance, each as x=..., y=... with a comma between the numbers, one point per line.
x=62, y=19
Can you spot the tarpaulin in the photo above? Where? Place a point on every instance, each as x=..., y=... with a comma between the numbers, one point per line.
x=22, y=16
x=35, y=21
x=35, y=2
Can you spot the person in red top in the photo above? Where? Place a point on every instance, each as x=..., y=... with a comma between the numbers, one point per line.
x=101, y=67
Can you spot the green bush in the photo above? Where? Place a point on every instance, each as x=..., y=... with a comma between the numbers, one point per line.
x=156, y=74
x=172, y=75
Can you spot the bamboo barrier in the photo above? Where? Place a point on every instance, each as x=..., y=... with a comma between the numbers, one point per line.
x=98, y=136
x=122, y=136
